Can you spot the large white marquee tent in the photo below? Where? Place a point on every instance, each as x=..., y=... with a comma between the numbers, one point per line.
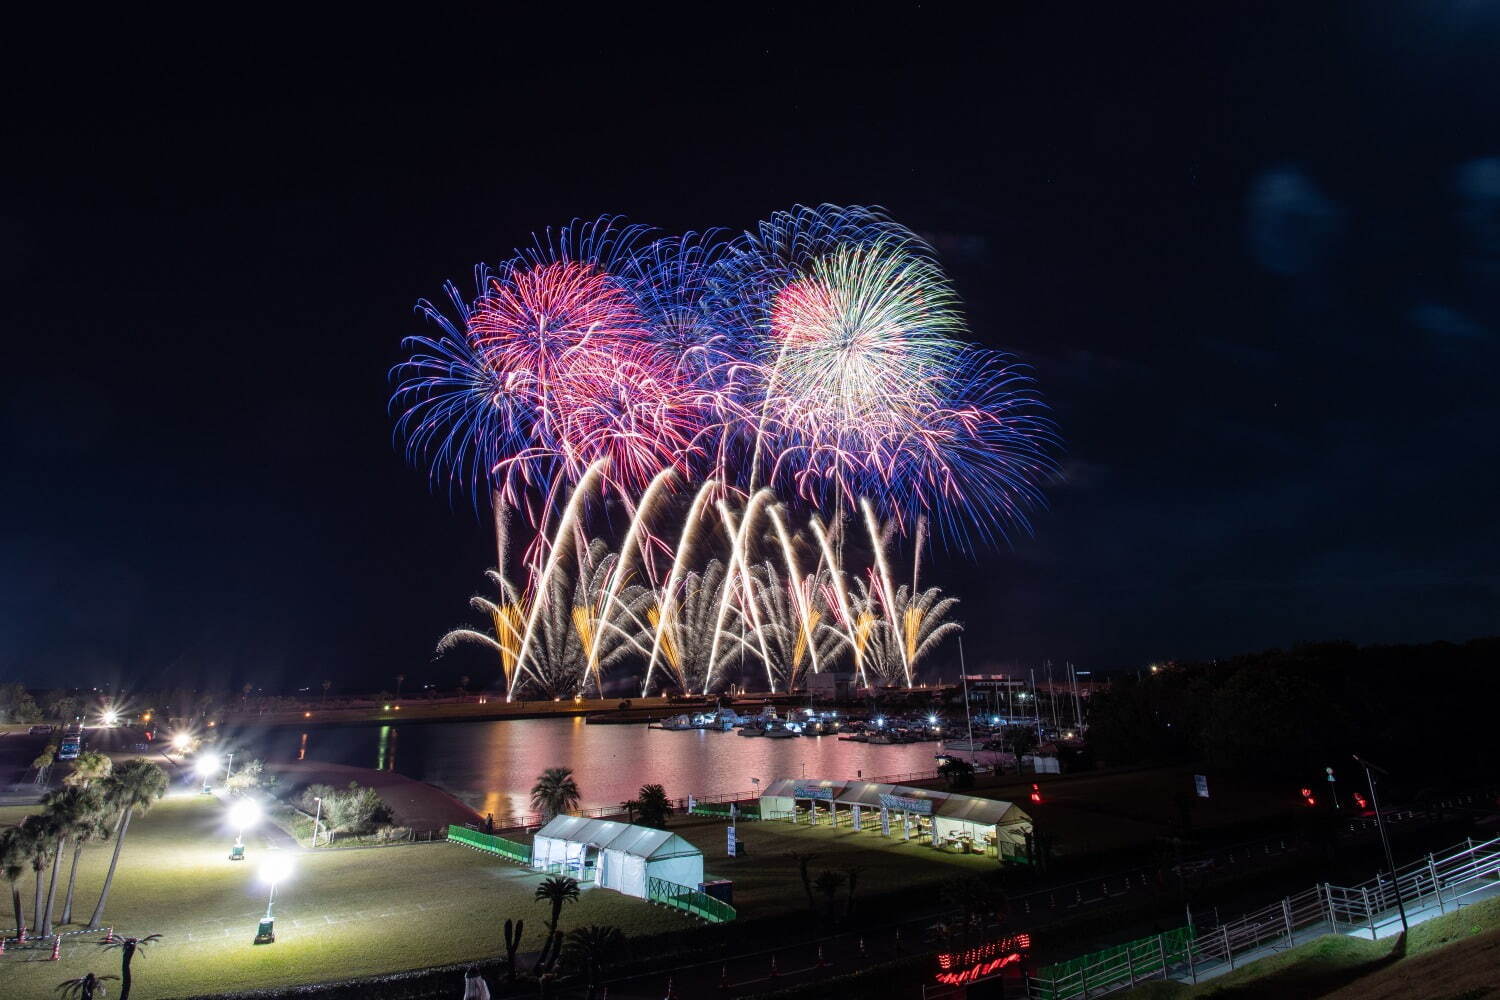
x=622, y=857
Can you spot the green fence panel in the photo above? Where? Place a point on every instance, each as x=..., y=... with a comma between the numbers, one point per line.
x=720, y=810
x=1133, y=960
x=490, y=843
x=680, y=897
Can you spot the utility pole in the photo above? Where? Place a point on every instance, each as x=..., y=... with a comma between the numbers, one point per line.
x=1385, y=839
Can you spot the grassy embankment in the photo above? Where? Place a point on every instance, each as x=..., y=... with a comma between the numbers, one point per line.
x=1451, y=956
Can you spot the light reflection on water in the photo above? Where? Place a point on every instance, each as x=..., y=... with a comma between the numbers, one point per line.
x=492, y=765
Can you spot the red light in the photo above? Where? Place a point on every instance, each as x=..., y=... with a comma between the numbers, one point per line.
x=1036, y=793
x=1307, y=796
x=1359, y=800
x=978, y=971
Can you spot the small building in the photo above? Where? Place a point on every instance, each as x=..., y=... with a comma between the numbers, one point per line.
x=945, y=818
x=614, y=855
x=831, y=685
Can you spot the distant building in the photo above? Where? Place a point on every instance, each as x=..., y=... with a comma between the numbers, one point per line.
x=835, y=685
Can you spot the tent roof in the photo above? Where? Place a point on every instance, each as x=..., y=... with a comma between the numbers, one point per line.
x=981, y=812
x=949, y=805
x=787, y=787
x=606, y=834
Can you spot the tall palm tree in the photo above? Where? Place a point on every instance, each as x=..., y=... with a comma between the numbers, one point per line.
x=86, y=987
x=90, y=824
x=39, y=834
x=14, y=856
x=595, y=946
x=66, y=810
x=132, y=789
x=128, y=947
x=557, y=890
x=555, y=792
x=91, y=766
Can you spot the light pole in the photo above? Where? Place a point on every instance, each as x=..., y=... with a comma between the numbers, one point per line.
x=243, y=814
x=207, y=767
x=316, y=817
x=1385, y=840
x=229, y=767
x=276, y=868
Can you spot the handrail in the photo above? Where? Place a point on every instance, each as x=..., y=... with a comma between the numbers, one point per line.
x=680, y=897
x=1434, y=880
x=490, y=843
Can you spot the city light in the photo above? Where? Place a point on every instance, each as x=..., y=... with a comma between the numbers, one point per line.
x=109, y=717
x=181, y=742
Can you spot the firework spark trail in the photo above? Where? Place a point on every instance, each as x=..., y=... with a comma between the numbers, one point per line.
x=622, y=564
x=674, y=576
x=737, y=538
x=887, y=594
x=841, y=594
x=794, y=580
x=542, y=594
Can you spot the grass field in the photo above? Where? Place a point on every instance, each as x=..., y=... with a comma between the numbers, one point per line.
x=357, y=912
x=1452, y=956
x=342, y=913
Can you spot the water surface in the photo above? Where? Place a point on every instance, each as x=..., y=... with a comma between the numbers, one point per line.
x=492, y=765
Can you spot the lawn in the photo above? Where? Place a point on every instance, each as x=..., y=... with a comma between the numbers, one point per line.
x=767, y=882
x=342, y=913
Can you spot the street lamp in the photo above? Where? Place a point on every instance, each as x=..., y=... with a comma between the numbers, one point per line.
x=276, y=868
x=181, y=742
x=316, y=817
x=207, y=766
x=1390, y=862
x=244, y=813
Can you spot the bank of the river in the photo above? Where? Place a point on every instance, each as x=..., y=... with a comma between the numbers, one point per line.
x=412, y=803
x=416, y=710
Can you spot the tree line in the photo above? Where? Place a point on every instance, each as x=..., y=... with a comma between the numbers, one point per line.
x=1414, y=709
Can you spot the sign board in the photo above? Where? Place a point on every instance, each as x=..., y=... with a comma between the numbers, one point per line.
x=812, y=792
x=905, y=804
x=731, y=842
x=1200, y=785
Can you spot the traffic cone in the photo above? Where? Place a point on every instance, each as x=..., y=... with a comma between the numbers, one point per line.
x=724, y=978
x=822, y=962
x=670, y=994
x=774, y=973
x=57, y=948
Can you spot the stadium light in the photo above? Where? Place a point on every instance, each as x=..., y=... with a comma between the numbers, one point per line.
x=277, y=868
x=207, y=766
x=243, y=813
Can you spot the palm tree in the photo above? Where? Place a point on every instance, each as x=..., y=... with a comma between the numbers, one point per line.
x=93, y=824
x=400, y=679
x=557, y=890
x=39, y=834
x=91, y=766
x=852, y=873
x=653, y=806
x=43, y=763
x=67, y=810
x=128, y=947
x=595, y=946
x=803, y=863
x=14, y=857
x=555, y=792
x=829, y=884
x=132, y=789
x=85, y=987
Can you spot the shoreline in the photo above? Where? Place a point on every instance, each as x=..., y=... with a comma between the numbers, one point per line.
x=599, y=710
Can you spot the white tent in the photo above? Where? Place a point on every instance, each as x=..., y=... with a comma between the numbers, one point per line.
x=619, y=856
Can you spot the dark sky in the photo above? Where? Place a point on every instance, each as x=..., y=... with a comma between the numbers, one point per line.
x=1251, y=250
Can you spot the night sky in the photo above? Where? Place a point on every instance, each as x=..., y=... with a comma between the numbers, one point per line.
x=1252, y=253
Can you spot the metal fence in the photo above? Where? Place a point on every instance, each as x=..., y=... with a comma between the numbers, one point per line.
x=1445, y=880
x=488, y=842
x=680, y=897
